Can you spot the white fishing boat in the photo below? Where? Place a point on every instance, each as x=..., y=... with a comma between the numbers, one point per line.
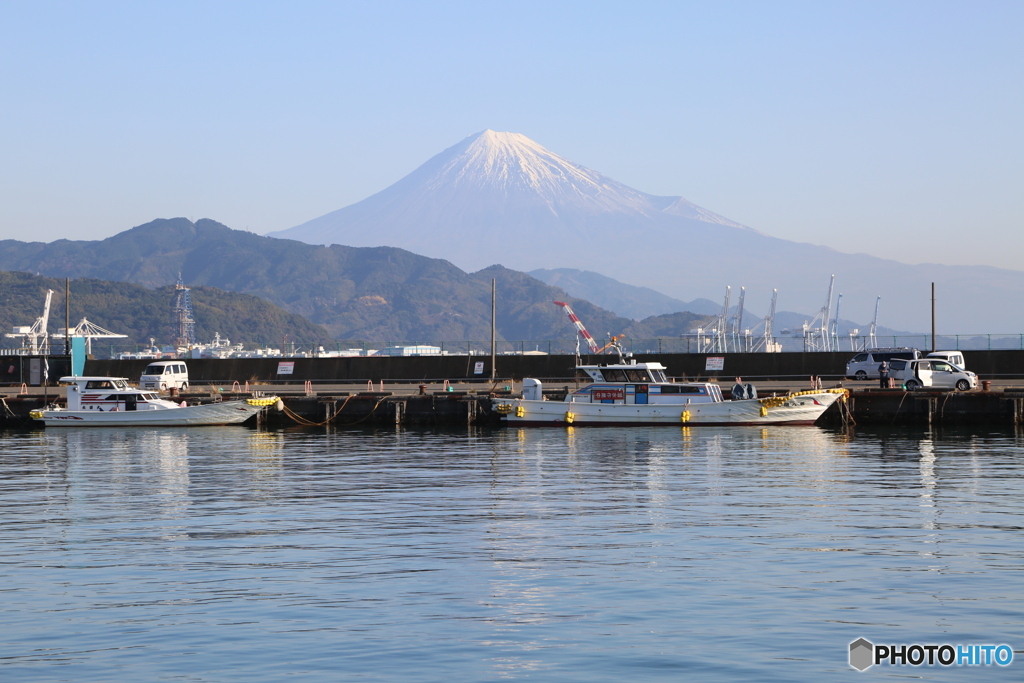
x=110, y=402
x=631, y=393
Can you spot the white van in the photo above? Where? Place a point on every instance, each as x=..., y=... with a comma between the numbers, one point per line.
x=931, y=372
x=164, y=375
x=865, y=365
x=952, y=357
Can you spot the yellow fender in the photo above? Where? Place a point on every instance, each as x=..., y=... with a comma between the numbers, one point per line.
x=503, y=409
x=569, y=417
x=269, y=401
x=685, y=416
x=764, y=411
x=36, y=414
x=520, y=411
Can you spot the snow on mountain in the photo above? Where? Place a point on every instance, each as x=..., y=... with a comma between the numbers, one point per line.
x=495, y=197
x=503, y=198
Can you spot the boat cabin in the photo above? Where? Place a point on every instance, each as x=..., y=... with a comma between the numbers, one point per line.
x=109, y=393
x=640, y=384
x=639, y=372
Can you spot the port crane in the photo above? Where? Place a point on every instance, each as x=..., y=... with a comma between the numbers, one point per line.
x=872, y=342
x=716, y=339
x=816, y=332
x=90, y=331
x=36, y=339
x=594, y=348
x=834, y=325
x=767, y=342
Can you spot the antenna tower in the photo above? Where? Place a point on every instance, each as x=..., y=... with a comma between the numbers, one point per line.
x=183, y=318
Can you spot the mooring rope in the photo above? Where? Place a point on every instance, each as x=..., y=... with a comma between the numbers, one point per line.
x=7, y=408
x=896, y=414
x=309, y=423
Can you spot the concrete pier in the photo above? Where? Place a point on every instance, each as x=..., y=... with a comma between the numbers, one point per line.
x=411, y=405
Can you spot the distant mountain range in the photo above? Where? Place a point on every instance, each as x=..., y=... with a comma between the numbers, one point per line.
x=641, y=302
x=375, y=294
x=503, y=198
x=142, y=313
x=626, y=300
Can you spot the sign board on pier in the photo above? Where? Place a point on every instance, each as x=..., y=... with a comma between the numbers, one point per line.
x=714, y=363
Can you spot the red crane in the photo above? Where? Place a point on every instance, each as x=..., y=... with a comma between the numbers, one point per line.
x=594, y=348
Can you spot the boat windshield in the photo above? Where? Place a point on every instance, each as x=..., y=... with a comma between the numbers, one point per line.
x=642, y=375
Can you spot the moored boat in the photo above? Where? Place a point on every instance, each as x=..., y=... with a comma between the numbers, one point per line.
x=111, y=401
x=632, y=393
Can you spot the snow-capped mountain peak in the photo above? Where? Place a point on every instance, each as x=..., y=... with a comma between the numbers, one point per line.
x=502, y=159
x=489, y=183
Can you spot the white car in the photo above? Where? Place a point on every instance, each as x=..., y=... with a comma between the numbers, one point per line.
x=165, y=375
x=931, y=372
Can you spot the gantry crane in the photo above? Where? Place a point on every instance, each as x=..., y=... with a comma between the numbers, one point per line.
x=36, y=339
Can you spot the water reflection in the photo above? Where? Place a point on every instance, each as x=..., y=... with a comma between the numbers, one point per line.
x=560, y=553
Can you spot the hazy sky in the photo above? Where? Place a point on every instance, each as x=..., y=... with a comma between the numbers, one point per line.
x=891, y=128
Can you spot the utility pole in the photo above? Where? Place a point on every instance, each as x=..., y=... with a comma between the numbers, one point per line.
x=67, y=316
x=933, y=319
x=493, y=327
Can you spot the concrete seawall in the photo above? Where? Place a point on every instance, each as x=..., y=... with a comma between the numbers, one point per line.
x=15, y=370
x=755, y=366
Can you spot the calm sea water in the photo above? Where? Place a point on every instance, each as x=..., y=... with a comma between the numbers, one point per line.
x=227, y=554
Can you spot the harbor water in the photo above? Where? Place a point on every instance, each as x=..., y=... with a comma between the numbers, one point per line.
x=561, y=554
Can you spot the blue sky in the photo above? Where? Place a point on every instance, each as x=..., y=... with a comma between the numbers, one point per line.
x=890, y=128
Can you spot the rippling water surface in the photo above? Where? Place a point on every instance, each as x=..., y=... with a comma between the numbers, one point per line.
x=552, y=554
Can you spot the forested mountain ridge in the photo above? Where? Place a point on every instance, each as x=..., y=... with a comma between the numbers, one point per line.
x=143, y=313
x=369, y=293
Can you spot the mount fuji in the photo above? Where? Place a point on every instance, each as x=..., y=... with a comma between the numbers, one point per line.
x=503, y=198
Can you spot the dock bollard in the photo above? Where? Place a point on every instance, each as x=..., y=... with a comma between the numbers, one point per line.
x=986, y=385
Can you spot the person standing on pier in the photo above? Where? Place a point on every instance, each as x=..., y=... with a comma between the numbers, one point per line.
x=739, y=392
x=883, y=375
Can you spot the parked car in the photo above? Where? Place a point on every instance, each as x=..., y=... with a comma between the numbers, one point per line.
x=931, y=372
x=865, y=365
x=952, y=357
x=165, y=375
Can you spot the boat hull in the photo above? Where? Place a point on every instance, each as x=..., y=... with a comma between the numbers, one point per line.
x=224, y=413
x=803, y=408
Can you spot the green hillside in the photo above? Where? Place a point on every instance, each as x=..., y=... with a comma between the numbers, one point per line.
x=376, y=294
x=143, y=313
